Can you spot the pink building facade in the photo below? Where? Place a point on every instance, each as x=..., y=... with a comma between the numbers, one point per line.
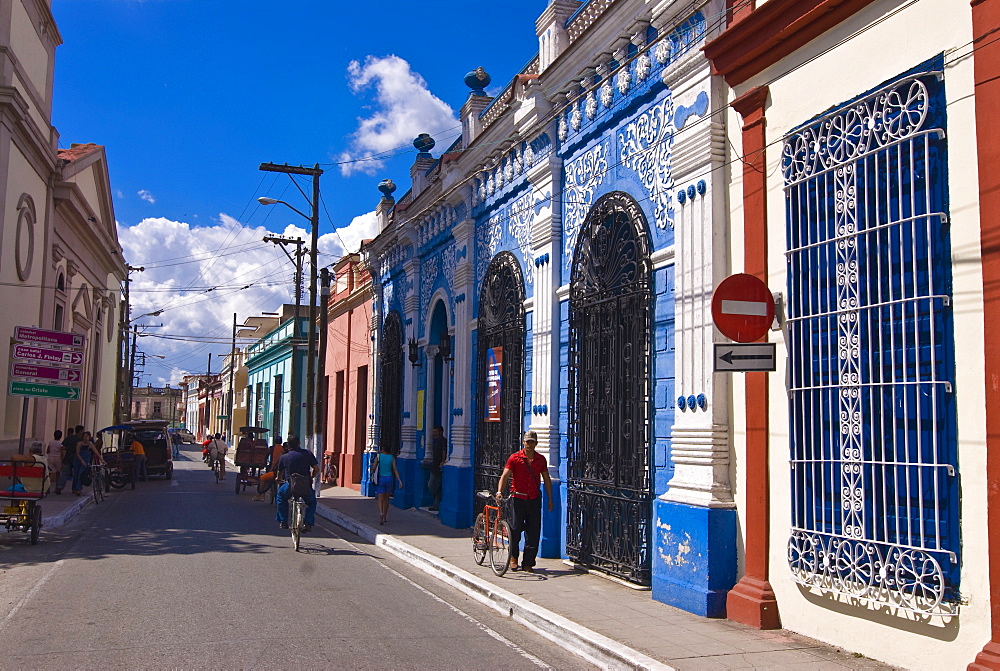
x=348, y=369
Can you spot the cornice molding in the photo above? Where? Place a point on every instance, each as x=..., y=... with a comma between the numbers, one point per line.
x=772, y=31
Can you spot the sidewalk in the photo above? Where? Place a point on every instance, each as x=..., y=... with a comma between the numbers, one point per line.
x=612, y=625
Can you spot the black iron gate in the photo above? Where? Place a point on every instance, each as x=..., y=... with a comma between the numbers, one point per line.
x=391, y=393
x=501, y=324
x=609, y=505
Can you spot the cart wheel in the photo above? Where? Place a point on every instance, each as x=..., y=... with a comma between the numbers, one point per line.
x=36, y=523
x=169, y=474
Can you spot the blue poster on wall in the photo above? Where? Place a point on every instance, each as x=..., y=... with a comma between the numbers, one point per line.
x=494, y=383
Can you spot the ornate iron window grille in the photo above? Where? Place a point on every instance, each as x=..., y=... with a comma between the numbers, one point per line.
x=391, y=393
x=501, y=324
x=609, y=506
x=870, y=339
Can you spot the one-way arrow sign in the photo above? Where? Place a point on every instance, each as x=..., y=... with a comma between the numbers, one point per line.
x=741, y=358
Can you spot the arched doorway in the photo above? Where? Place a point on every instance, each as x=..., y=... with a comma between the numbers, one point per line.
x=391, y=392
x=609, y=503
x=500, y=350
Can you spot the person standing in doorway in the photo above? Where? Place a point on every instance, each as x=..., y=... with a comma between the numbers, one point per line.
x=525, y=470
x=439, y=452
x=53, y=455
x=387, y=476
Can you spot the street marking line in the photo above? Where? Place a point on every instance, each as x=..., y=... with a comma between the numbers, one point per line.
x=31, y=593
x=482, y=627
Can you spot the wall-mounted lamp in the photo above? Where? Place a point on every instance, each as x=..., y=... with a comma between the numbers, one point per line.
x=414, y=352
x=444, y=346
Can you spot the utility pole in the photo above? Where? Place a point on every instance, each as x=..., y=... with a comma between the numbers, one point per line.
x=232, y=367
x=315, y=173
x=131, y=370
x=295, y=404
x=324, y=392
x=121, y=395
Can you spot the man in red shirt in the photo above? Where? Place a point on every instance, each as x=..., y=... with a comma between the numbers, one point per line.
x=527, y=469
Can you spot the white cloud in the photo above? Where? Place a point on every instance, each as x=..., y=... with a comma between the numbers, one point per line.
x=195, y=276
x=362, y=227
x=402, y=108
x=146, y=196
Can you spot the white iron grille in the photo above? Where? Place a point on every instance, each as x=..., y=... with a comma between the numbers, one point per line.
x=871, y=352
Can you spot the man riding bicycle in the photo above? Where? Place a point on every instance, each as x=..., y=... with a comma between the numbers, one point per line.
x=299, y=462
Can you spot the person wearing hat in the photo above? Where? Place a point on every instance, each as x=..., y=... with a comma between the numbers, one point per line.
x=525, y=470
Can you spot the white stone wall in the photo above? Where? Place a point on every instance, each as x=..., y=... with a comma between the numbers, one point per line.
x=895, y=39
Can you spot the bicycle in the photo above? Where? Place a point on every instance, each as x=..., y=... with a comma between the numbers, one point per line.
x=296, y=519
x=219, y=468
x=491, y=534
x=97, y=481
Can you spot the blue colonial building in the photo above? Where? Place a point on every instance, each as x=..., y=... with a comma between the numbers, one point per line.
x=572, y=237
x=275, y=365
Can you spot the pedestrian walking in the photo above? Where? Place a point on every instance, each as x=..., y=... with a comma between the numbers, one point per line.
x=53, y=456
x=385, y=476
x=68, y=459
x=525, y=470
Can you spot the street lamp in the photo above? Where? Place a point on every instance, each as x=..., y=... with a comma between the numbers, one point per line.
x=315, y=173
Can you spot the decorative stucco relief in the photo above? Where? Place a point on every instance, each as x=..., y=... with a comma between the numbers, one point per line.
x=583, y=176
x=645, y=148
x=521, y=214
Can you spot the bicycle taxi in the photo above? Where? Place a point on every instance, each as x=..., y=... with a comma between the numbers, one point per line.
x=116, y=452
x=252, y=452
x=23, y=485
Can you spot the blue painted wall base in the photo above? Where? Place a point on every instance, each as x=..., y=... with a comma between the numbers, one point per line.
x=367, y=488
x=551, y=544
x=456, y=498
x=412, y=475
x=694, y=558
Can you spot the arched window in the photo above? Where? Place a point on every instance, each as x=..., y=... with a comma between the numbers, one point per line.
x=391, y=393
x=609, y=504
x=501, y=340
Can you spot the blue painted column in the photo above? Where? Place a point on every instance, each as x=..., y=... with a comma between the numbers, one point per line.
x=694, y=560
x=456, y=497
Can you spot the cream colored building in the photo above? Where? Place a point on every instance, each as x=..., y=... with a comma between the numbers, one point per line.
x=61, y=266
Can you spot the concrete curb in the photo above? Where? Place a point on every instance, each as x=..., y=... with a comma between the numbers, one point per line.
x=595, y=647
x=59, y=519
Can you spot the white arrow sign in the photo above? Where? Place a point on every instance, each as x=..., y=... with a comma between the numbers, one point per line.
x=744, y=358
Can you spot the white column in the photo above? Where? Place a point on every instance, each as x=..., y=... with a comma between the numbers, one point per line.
x=700, y=435
x=461, y=370
x=546, y=241
x=411, y=308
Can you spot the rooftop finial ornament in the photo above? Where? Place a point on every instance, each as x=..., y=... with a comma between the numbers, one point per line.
x=478, y=80
x=387, y=187
x=424, y=143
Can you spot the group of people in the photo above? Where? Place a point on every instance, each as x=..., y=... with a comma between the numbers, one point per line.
x=214, y=451
x=525, y=471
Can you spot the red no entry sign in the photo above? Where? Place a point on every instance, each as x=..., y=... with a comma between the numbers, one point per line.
x=743, y=308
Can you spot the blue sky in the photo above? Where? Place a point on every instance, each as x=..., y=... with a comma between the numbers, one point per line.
x=190, y=96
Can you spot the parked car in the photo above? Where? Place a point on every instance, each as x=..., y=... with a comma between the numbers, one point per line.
x=186, y=436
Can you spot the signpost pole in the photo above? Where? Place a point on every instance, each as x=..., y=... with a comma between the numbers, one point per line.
x=24, y=425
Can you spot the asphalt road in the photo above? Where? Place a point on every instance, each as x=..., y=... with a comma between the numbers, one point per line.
x=185, y=574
